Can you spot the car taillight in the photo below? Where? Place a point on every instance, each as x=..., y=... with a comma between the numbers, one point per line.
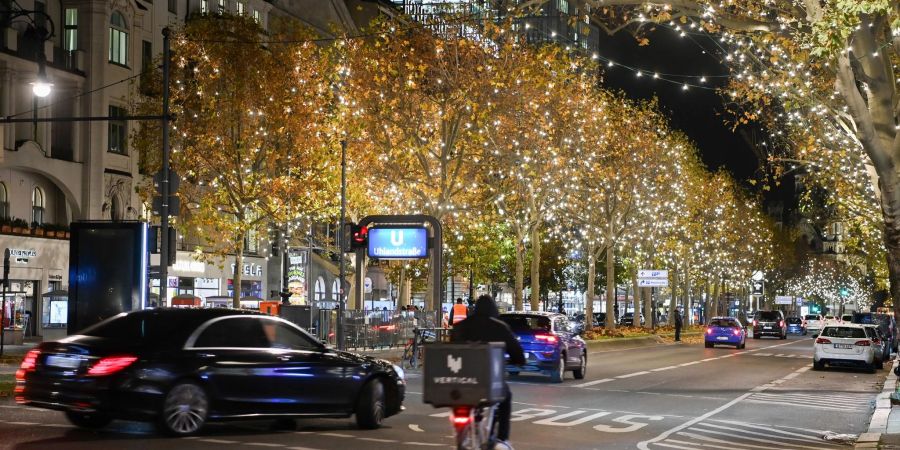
x=823, y=341
x=755, y=322
x=461, y=416
x=865, y=343
x=876, y=341
x=110, y=365
x=28, y=364
x=780, y=323
x=737, y=331
x=551, y=339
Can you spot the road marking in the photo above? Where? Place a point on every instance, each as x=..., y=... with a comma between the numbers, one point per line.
x=632, y=374
x=386, y=441
x=337, y=435
x=418, y=429
x=425, y=444
x=262, y=444
x=591, y=383
x=645, y=445
x=787, y=435
x=664, y=368
x=217, y=441
x=22, y=423
x=555, y=421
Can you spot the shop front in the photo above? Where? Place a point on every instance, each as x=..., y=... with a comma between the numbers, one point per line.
x=211, y=286
x=37, y=266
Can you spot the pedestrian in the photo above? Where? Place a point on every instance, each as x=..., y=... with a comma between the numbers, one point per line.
x=677, y=314
x=459, y=312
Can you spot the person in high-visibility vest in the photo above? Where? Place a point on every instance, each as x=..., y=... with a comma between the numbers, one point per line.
x=459, y=312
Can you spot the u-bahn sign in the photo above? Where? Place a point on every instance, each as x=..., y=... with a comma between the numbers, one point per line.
x=398, y=242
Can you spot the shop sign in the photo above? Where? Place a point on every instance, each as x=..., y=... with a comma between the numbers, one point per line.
x=23, y=253
x=206, y=283
x=251, y=269
x=189, y=266
x=296, y=276
x=398, y=243
x=54, y=277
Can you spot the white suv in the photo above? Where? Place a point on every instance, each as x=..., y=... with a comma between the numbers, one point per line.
x=844, y=345
x=813, y=324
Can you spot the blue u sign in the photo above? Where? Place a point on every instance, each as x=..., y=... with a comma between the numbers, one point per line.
x=398, y=243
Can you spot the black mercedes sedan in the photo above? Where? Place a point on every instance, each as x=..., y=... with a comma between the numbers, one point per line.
x=182, y=368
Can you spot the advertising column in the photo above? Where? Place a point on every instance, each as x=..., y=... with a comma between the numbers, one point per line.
x=297, y=273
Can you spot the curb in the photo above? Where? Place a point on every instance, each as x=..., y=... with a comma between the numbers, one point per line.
x=879, y=420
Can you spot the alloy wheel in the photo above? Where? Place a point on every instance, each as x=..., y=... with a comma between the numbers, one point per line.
x=185, y=409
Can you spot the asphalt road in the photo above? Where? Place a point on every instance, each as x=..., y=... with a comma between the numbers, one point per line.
x=675, y=396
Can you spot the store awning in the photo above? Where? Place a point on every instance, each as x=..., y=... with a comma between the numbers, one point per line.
x=56, y=293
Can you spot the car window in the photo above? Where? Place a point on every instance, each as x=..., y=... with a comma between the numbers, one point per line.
x=519, y=322
x=812, y=317
x=723, y=323
x=137, y=328
x=236, y=332
x=794, y=320
x=562, y=325
x=844, y=332
x=282, y=335
x=769, y=315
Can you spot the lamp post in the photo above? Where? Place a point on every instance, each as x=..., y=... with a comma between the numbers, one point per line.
x=41, y=28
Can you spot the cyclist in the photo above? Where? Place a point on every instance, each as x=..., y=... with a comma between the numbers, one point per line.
x=484, y=326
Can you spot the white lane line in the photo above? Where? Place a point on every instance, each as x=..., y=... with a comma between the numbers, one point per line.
x=385, y=441
x=301, y=448
x=645, y=445
x=56, y=425
x=262, y=444
x=689, y=364
x=591, y=383
x=419, y=429
x=664, y=368
x=770, y=427
x=747, y=438
x=670, y=443
x=218, y=441
x=789, y=436
x=808, y=406
x=337, y=435
x=22, y=423
x=425, y=444
x=644, y=372
x=713, y=441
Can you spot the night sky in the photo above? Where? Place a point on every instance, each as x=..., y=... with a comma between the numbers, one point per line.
x=697, y=112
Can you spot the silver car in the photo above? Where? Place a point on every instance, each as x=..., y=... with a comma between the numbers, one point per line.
x=882, y=346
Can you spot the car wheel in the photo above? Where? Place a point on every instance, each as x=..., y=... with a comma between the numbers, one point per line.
x=818, y=365
x=184, y=410
x=89, y=420
x=708, y=344
x=559, y=373
x=581, y=371
x=879, y=364
x=370, y=406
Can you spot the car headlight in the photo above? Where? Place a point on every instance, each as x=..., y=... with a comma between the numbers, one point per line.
x=399, y=371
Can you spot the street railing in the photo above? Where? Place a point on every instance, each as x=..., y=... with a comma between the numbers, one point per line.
x=374, y=329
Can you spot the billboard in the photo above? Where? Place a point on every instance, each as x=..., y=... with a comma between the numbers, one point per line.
x=107, y=271
x=398, y=243
x=784, y=300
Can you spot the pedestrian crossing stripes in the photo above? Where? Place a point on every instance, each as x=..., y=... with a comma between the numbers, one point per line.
x=726, y=434
x=829, y=402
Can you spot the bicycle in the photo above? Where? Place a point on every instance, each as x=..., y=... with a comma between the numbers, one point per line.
x=476, y=429
x=415, y=348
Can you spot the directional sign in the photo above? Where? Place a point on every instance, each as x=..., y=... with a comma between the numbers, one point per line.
x=648, y=273
x=784, y=300
x=653, y=282
x=398, y=243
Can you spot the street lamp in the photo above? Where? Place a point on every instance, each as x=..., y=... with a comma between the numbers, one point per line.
x=42, y=85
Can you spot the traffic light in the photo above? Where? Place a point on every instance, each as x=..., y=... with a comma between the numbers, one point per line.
x=359, y=236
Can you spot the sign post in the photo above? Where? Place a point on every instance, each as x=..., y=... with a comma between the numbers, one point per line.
x=3, y=303
x=652, y=279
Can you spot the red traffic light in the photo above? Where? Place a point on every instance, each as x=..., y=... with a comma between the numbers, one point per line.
x=360, y=234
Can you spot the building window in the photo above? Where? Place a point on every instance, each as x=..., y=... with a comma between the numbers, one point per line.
x=320, y=290
x=146, y=55
x=173, y=6
x=204, y=6
x=118, y=130
x=239, y=8
x=257, y=17
x=564, y=6
x=118, y=39
x=37, y=206
x=4, y=202
x=221, y=6
x=70, y=30
x=336, y=290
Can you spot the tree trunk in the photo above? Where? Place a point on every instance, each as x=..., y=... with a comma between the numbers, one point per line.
x=589, y=295
x=238, y=273
x=535, y=268
x=636, y=297
x=714, y=310
x=520, y=276
x=890, y=211
x=706, y=302
x=686, y=290
x=672, y=298
x=610, y=287
x=403, y=290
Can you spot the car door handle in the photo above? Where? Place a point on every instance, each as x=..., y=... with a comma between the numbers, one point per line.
x=206, y=355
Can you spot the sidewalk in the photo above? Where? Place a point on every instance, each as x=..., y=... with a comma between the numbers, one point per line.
x=884, y=427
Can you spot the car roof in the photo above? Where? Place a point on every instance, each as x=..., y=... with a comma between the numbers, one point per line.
x=846, y=325
x=193, y=313
x=723, y=317
x=533, y=313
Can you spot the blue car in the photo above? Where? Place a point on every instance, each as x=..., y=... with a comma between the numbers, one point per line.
x=550, y=346
x=725, y=331
x=796, y=325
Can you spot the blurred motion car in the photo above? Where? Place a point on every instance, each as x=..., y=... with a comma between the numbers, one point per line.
x=769, y=323
x=796, y=325
x=183, y=368
x=845, y=345
x=725, y=331
x=550, y=347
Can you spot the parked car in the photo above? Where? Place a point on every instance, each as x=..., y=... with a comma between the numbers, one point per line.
x=885, y=322
x=796, y=325
x=813, y=324
x=725, y=331
x=769, y=323
x=846, y=345
x=183, y=368
x=847, y=318
x=550, y=347
x=882, y=346
x=628, y=319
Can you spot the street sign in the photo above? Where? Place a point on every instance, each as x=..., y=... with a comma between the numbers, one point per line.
x=784, y=300
x=648, y=273
x=799, y=301
x=398, y=243
x=756, y=287
x=653, y=282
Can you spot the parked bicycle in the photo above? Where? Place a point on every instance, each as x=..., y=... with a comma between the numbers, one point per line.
x=414, y=350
